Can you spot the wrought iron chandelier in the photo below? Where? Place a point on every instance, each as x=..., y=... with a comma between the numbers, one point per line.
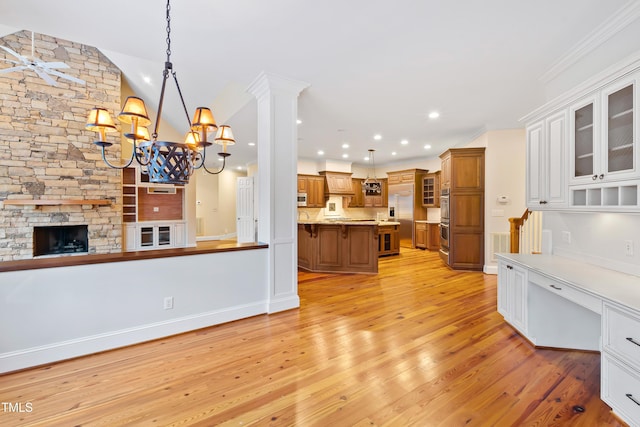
x=372, y=186
x=165, y=162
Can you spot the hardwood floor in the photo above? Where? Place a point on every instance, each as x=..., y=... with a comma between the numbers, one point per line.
x=417, y=344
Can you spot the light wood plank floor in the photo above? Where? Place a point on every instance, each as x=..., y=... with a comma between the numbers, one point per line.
x=417, y=344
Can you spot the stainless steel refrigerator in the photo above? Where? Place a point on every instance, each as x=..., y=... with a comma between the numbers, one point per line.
x=401, y=204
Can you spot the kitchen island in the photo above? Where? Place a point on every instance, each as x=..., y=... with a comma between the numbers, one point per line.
x=344, y=246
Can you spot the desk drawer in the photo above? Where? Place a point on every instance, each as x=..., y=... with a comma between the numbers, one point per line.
x=567, y=291
x=621, y=334
x=621, y=389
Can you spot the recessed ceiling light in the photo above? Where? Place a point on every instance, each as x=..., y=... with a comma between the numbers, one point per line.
x=434, y=115
x=298, y=121
x=220, y=159
x=393, y=153
x=320, y=153
x=252, y=144
x=345, y=145
x=239, y=168
x=146, y=79
x=377, y=137
x=404, y=142
x=427, y=147
x=345, y=156
x=366, y=159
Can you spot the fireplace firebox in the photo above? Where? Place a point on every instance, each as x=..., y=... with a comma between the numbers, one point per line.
x=61, y=239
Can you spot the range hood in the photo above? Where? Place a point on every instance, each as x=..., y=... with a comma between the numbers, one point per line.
x=337, y=183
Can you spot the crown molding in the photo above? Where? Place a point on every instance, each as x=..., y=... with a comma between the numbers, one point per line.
x=629, y=65
x=614, y=24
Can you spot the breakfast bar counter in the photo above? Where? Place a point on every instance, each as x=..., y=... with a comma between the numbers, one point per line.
x=73, y=260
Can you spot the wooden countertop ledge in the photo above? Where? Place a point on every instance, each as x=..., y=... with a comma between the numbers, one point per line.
x=73, y=260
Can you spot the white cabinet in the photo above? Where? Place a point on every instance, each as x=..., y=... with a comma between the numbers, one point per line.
x=604, y=170
x=547, y=163
x=620, y=386
x=154, y=235
x=582, y=149
x=603, y=133
x=512, y=295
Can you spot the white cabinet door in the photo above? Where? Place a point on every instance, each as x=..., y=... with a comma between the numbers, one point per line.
x=585, y=140
x=512, y=295
x=619, y=159
x=535, y=166
x=130, y=237
x=547, y=163
x=503, y=290
x=556, y=160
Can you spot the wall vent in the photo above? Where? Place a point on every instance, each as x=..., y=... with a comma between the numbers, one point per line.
x=500, y=243
x=161, y=190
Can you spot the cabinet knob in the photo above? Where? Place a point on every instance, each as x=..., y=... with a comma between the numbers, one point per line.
x=601, y=176
x=543, y=202
x=594, y=177
x=509, y=267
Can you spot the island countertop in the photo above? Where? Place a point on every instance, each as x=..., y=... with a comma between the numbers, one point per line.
x=348, y=222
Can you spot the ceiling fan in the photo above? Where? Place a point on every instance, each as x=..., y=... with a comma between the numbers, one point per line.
x=43, y=69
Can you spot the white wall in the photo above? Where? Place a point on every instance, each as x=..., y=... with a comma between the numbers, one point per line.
x=58, y=313
x=504, y=176
x=598, y=238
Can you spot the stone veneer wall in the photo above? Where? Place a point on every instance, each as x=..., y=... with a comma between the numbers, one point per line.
x=45, y=151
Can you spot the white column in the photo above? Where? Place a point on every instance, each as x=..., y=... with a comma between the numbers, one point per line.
x=277, y=103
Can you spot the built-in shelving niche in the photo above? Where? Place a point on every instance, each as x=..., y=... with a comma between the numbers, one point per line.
x=621, y=196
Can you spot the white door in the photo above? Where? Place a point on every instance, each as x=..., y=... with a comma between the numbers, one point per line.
x=244, y=210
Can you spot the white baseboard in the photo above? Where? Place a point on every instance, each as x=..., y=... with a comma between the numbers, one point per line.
x=490, y=269
x=284, y=304
x=55, y=352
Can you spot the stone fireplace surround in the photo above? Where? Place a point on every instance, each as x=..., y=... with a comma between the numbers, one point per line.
x=46, y=153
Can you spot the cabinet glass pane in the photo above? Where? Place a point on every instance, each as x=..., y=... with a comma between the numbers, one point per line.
x=620, y=130
x=164, y=236
x=146, y=236
x=584, y=141
x=387, y=242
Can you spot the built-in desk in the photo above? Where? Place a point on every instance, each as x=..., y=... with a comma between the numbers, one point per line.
x=558, y=302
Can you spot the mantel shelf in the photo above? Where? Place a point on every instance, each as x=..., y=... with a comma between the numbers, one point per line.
x=57, y=202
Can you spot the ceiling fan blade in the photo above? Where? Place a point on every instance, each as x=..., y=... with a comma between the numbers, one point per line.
x=52, y=64
x=65, y=76
x=14, y=53
x=44, y=76
x=9, y=60
x=12, y=69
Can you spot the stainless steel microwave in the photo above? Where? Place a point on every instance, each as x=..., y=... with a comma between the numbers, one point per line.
x=302, y=199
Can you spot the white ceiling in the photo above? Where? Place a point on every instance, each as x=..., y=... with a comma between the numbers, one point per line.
x=373, y=66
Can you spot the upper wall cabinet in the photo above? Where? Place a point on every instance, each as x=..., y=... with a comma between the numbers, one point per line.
x=603, y=135
x=583, y=154
x=546, y=163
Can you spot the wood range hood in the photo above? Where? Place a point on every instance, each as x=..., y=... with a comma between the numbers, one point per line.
x=337, y=183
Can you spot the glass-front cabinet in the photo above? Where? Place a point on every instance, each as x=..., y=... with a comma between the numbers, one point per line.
x=604, y=163
x=619, y=112
x=584, y=139
x=603, y=131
